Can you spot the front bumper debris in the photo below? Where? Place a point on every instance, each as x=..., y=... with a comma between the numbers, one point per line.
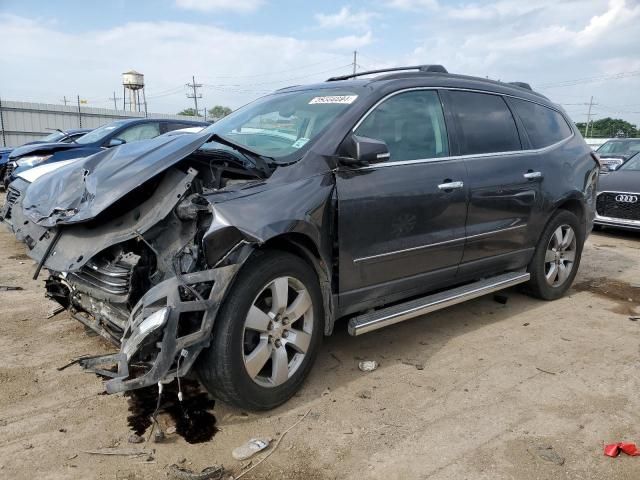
x=165, y=347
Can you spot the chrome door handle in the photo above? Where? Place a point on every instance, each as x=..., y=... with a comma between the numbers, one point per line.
x=532, y=175
x=451, y=185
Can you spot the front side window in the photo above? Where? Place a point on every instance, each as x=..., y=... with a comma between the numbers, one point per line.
x=544, y=126
x=619, y=147
x=144, y=131
x=101, y=133
x=281, y=124
x=485, y=123
x=411, y=124
x=633, y=164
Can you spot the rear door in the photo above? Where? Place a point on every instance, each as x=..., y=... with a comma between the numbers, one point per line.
x=504, y=183
x=401, y=222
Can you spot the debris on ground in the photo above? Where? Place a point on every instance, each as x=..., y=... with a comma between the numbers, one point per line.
x=614, y=449
x=548, y=454
x=368, y=365
x=6, y=288
x=526, y=324
x=545, y=371
x=134, y=438
x=634, y=319
x=366, y=394
x=124, y=452
x=250, y=448
x=275, y=447
x=418, y=365
x=500, y=298
x=214, y=472
x=159, y=436
x=55, y=312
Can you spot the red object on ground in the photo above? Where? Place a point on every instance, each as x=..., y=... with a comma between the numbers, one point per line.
x=614, y=449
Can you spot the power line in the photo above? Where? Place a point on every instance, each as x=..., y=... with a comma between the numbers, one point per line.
x=600, y=78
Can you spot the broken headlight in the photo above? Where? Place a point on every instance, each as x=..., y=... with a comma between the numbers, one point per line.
x=32, y=160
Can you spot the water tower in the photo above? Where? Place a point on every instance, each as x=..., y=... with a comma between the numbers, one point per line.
x=133, y=84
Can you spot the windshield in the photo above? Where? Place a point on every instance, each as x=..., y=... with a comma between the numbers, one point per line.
x=619, y=147
x=53, y=137
x=100, y=133
x=632, y=164
x=278, y=125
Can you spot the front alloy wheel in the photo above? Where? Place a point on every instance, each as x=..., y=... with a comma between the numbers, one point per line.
x=267, y=333
x=277, y=332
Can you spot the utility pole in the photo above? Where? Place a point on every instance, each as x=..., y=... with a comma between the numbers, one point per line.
x=79, y=113
x=355, y=58
x=115, y=99
x=64, y=99
x=195, y=86
x=4, y=138
x=586, y=128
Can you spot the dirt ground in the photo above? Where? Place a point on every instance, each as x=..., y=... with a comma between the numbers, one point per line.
x=524, y=390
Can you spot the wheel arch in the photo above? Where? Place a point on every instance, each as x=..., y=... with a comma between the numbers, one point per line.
x=304, y=247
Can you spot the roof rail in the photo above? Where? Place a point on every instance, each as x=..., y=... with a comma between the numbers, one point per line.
x=522, y=85
x=420, y=68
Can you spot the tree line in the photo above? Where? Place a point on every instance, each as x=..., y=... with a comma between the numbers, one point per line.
x=214, y=113
x=609, y=128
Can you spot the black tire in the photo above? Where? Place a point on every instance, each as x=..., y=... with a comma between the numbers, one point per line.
x=221, y=367
x=538, y=286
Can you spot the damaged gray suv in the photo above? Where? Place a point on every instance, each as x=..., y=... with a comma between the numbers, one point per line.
x=232, y=252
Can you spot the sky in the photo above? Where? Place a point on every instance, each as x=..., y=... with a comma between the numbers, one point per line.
x=239, y=50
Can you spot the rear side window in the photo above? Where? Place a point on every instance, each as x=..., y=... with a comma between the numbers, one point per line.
x=544, y=126
x=411, y=124
x=485, y=123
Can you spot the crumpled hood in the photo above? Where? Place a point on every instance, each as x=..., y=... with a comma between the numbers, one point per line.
x=620, y=181
x=81, y=190
x=43, y=148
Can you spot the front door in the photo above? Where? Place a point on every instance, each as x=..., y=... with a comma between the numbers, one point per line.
x=401, y=223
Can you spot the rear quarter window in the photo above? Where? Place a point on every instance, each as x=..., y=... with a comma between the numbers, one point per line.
x=485, y=123
x=544, y=126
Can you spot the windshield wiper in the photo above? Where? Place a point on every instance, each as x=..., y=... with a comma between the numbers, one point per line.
x=65, y=136
x=262, y=162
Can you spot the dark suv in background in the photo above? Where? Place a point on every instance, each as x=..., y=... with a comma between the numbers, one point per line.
x=233, y=251
x=106, y=136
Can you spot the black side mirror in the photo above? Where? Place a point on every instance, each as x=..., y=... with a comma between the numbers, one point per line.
x=114, y=142
x=360, y=151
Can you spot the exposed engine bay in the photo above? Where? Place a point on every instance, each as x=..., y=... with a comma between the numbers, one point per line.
x=137, y=273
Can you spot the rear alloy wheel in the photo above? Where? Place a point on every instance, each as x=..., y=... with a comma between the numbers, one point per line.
x=267, y=333
x=557, y=256
x=560, y=256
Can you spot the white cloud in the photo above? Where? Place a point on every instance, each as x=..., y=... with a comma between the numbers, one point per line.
x=413, y=4
x=213, y=5
x=351, y=42
x=345, y=18
x=235, y=67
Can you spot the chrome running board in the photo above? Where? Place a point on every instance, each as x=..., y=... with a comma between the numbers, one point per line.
x=384, y=317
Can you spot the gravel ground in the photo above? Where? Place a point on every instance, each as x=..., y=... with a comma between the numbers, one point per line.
x=524, y=390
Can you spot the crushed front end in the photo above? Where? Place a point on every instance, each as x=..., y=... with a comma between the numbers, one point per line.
x=137, y=272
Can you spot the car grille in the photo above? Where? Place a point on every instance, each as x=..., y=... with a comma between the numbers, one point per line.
x=8, y=171
x=608, y=206
x=12, y=198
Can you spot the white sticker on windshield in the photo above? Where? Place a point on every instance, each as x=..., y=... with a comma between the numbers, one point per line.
x=299, y=143
x=348, y=99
